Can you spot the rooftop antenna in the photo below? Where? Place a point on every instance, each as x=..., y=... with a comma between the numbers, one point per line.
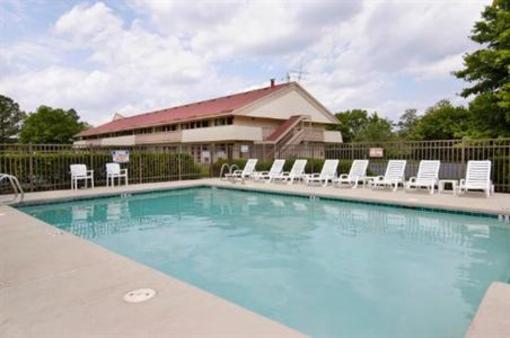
x=299, y=73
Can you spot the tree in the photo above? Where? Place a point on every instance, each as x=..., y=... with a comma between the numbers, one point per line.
x=351, y=123
x=51, y=125
x=11, y=118
x=488, y=71
x=444, y=121
x=407, y=124
x=377, y=129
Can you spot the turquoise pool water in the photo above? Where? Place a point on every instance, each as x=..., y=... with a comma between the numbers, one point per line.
x=326, y=268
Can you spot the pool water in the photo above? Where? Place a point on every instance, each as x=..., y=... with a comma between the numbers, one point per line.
x=326, y=268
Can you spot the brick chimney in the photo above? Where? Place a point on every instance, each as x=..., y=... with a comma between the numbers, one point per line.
x=272, y=81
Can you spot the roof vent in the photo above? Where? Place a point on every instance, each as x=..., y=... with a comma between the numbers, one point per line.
x=272, y=81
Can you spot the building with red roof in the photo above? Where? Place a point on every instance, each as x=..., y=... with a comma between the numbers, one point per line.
x=278, y=114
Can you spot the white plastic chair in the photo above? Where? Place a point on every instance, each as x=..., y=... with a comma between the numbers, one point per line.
x=296, y=173
x=394, y=175
x=427, y=176
x=478, y=177
x=328, y=173
x=358, y=170
x=80, y=172
x=248, y=170
x=267, y=176
x=114, y=171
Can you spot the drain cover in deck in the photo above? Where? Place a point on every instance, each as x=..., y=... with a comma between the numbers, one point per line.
x=139, y=295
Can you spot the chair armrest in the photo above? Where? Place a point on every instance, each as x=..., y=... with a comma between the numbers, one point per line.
x=90, y=171
x=124, y=171
x=344, y=176
x=412, y=179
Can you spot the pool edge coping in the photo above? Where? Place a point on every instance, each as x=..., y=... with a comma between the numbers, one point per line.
x=221, y=184
x=112, y=255
x=267, y=189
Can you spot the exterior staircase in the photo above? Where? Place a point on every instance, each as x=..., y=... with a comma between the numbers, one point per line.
x=289, y=133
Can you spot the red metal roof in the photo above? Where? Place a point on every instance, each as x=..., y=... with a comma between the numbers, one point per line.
x=218, y=106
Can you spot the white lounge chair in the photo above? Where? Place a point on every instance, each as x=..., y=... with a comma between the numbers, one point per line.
x=114, y=171
x=296, y=173
x=358, y=170
x=395, y=175
x=328, y=173
x=267, y=176
x=427, y=176
x=478, y=177
x=80, y=172
x=248, y=170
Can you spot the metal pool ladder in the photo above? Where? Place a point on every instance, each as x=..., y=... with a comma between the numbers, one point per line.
x=19, y=193
x=228, y=167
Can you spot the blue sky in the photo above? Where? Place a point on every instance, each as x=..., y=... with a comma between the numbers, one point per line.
x=102, y=57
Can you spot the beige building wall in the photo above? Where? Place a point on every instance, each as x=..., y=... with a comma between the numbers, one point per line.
x=287, y=105
x=128, y=140
x=223, y=133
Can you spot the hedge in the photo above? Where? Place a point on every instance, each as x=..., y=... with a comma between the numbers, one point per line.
x=51, y=170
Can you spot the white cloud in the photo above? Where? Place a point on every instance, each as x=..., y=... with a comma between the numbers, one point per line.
x=383, y=55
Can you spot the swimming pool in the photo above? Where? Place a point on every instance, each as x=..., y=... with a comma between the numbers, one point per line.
x=327, y=268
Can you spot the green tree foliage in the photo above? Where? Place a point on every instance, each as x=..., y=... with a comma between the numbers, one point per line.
x=488, y=71
x=377, y=129
x=11, y=118
x=51, y=125
x=358, y=126
x=443, y=121
x=351, y=123
x=407, y=125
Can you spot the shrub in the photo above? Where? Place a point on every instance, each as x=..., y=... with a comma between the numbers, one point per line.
x=51, y=170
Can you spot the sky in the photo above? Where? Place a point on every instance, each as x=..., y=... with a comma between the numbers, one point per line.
x=133, y=56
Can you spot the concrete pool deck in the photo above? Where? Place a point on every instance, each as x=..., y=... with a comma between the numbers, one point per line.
x=54, y=284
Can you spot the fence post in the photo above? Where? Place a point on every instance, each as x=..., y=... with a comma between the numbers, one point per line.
x=31, y=166
x=211, y=163
x=91, y=153
x=179, y=173
x=463, y=152
x=140, y=174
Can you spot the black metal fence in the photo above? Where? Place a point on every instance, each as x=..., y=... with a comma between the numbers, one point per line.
x=46, y=167
x=453, y=154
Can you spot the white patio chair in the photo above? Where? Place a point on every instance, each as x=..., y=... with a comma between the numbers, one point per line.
x=427, y=176
x=80, y=172
x=113, y=171
x=328, y=173
x=248, y=170
x=394, y=175
x=478, y=177
x=358, y=170
x=296, y=173
x=267, y=176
